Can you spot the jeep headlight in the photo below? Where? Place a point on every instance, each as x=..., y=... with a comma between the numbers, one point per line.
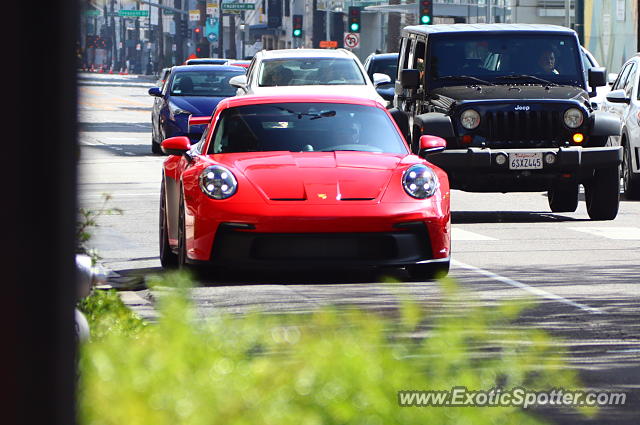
x=419, y=181
x=470, y=119
x=217, y=182
x=573, y=118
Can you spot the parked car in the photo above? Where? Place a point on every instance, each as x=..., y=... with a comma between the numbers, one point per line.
x=624, y=101
x=206, y=61
x=311, y=71
x=304, y=180
x=190, y=89
x=513, y=103
x=386, y=64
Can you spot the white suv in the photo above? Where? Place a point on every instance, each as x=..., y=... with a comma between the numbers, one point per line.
x=624, y=101
x=308, y=71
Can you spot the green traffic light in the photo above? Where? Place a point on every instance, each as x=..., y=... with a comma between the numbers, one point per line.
x=297, y=32
x=425, y=19
x=355, y=27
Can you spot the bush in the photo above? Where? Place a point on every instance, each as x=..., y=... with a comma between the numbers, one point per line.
x=327, y=367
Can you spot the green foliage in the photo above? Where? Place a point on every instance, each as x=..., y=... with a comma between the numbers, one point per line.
x=108, y=316
x=328, y=367
x=87, y=219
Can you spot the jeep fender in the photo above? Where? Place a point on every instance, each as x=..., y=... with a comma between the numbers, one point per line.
x=604, y=124
x=434, y=124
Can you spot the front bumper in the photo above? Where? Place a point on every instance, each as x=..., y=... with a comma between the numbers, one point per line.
x=476, y=169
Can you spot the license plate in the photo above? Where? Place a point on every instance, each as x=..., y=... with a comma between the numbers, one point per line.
x=525, y=161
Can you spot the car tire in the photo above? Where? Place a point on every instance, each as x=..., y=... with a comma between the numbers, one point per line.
x=168, y=259
x=155, y=147
x=182, y=236
x=563, y=197
x=429, y=271
x=631, y=183
x=602, y=193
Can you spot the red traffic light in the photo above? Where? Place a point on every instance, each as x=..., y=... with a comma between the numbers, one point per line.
x=197, y=30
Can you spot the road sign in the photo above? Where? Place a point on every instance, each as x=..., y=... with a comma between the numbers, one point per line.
x=194, y=15
x=125, y=13
x=238, y=6
x=351, y=40
x=328, y=44
x=92, y=12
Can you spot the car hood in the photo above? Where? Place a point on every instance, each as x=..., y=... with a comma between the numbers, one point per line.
x=197, y=105
x=323, y=177
x=514, y=92
x=360, y=90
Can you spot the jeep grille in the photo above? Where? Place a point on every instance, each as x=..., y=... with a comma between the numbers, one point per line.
x=522, y=127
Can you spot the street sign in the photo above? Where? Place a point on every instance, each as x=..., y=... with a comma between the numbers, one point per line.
x=125, y=13
x=238, y=6
x=328, y=44
x=212, y=8
x=351, y=40
x=92, y=12
x=194, y=15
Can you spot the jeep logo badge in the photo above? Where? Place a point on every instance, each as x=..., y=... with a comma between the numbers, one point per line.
x=522, y=108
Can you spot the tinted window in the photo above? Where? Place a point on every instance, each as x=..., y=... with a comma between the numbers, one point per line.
x=309, y=71
x=622, y=77
x=491, y=57
x=204, y=83
x=306, y=127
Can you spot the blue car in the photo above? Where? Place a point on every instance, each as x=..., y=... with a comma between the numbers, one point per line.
x=189, y=90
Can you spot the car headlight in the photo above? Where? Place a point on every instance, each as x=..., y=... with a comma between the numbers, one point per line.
x=218, y=182
x=419, y=181
x=470, y=119
x=573, y=118
x=176, y=110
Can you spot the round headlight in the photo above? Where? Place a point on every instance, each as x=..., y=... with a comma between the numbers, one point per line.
x=217, y=182
x=419, y=181
x=573, y=118
x=470, y=119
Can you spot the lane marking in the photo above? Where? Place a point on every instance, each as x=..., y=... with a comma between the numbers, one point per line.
x=465, y=235
x=617, y=233
x=531, y=289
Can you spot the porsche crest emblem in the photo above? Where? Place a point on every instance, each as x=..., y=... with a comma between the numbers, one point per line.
x=322, y=195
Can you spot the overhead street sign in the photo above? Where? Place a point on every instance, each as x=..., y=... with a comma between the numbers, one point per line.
x=132, y=13
x=238, y=6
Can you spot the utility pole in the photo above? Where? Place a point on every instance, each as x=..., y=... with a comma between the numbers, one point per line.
x=221, y=32
x=161, y=63
x=177, y=19
x=579, y=20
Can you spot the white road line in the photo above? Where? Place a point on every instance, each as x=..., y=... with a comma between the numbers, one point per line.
x=618, y=233
x=536, y=291
x=465, y=235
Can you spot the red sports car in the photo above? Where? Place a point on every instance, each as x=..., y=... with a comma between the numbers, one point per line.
x=303, y=180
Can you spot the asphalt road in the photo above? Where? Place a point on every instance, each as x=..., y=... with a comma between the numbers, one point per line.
x=584, y=275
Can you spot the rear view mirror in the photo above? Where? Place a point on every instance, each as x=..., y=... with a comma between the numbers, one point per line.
x=410, y=78
x=176, y=145
x=239, y=81
x=597, y=76
x=431, y=144
x=155, y=91
x=618, y=96
x=380, y=79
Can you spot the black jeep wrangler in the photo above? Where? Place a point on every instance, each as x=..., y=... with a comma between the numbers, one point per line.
x=513, y=103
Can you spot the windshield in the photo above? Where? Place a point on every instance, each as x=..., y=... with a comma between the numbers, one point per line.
x=501, y=59
x=204, y=83
x=387, y=65
x=306, y=127
x=309, y=71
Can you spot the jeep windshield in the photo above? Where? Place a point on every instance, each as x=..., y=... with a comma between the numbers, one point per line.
x=508, y=59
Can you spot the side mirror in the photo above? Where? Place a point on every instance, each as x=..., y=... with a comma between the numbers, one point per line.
x=176, y=145
x=380, y=79
x=431, y=144
x=597, y=76
x=198, y=120
x=239, y=81
x=410, y=78
x=155, y=91
x=618, y=96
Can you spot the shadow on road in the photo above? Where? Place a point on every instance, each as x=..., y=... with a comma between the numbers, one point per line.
x=116, y=127
x=468, y=217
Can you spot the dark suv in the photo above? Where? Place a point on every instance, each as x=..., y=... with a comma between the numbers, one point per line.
x=513, y=103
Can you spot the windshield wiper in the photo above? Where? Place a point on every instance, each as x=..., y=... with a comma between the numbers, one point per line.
x=466, y=77
x=526, y=77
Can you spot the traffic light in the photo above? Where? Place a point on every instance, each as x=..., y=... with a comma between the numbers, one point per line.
x=202, y=48
x=354, y=19
x=184, y=28
x=197, y=31
x=426, y=12
x=297, y=25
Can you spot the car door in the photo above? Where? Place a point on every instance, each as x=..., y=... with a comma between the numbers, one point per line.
x=632, y=120
x=158, y=103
